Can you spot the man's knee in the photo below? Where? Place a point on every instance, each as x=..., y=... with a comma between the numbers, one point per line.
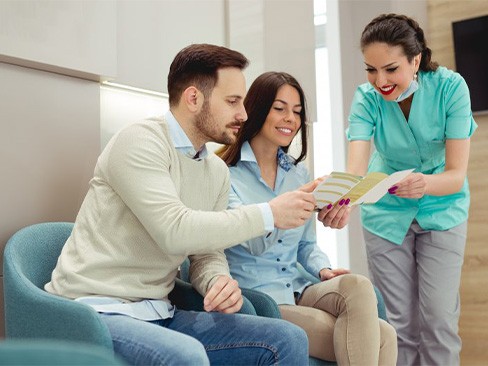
x=283, y=332
x=195, y=355
x=188, y=352
x=293, y=330
x=295, y=338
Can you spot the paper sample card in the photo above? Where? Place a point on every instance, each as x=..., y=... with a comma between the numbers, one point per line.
x=360, y=190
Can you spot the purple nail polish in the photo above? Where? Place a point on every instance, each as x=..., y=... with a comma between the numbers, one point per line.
x=342, y=202
x=329, y=206
x=347, y=201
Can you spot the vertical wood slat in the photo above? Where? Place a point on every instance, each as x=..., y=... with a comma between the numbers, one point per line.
x=474, y=282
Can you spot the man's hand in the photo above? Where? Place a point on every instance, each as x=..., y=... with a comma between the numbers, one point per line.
x=327, y=274
x=224, y=296
x=335, y=217
x=293, y=209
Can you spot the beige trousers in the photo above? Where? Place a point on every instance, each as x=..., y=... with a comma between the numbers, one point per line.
x=340, y=317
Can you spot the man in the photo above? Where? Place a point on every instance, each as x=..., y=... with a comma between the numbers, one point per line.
x=158, y=196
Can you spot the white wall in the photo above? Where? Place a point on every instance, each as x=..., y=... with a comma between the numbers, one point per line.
x=70, y=37
x=277, y=36
x=150, y=33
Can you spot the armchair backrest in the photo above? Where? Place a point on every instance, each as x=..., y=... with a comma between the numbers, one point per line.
x=33, y=251
x=30, y=312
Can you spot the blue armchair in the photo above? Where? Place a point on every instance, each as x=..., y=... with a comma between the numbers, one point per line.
x=264, y=305
x=55, y=353
x=30, y=312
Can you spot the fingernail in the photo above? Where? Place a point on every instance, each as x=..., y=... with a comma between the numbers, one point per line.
x=342, y=202
x=329, y=206
x=347, y=201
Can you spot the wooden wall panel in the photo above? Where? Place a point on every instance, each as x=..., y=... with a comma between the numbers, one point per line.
x=474, y=282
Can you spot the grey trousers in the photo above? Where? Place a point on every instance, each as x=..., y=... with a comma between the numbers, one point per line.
x=420, y=282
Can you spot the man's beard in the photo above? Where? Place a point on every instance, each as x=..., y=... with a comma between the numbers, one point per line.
x=207, y=126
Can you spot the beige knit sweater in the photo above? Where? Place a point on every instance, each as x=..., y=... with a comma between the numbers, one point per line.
x=148, y=207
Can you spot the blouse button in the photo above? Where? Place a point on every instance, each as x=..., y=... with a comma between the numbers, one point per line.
x=277, y=259
x=280, y=241
x=288, y=285
x=283, y=269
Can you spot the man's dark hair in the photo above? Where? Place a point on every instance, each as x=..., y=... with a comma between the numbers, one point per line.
x=198, y=65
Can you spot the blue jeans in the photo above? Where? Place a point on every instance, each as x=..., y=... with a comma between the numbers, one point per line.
x=200, y=338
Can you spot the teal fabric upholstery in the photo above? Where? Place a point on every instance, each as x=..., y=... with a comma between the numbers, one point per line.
x=185, y=297
x=264, y=305
x=30, y=312
x=55, y=353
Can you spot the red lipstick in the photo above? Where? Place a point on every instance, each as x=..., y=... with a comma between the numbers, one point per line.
x=387, y=92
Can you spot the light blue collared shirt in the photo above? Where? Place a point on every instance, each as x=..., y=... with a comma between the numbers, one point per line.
x=181, y=141
x=269, y=263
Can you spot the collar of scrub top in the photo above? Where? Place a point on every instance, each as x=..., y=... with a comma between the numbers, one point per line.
x=181, y=141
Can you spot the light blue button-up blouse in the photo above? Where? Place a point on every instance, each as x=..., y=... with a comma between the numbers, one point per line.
x=440, y=110
x=269, y=263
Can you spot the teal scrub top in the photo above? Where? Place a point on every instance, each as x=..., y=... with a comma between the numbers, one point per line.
x=441, y=110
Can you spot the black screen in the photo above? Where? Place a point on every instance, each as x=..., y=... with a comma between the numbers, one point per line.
x=471, y=54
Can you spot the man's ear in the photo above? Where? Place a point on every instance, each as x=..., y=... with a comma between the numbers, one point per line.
x=192, y=98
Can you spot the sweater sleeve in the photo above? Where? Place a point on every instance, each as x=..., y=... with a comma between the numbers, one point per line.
x=205, y=268
x=137, y=167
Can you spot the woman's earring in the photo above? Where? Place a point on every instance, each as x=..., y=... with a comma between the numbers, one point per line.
x=415, y=76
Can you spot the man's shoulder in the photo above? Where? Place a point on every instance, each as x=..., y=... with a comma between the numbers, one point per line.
x=155, y=127
x=216, y=163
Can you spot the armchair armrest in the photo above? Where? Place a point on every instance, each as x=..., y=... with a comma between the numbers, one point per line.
x=185, y=297
x=263, y=304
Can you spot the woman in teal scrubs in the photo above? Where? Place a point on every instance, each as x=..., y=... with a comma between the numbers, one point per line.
x=419, y=116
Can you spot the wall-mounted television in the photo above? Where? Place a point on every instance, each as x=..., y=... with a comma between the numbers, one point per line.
x=471, y=54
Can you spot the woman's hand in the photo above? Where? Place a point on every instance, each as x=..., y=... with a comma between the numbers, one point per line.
x=413, y=186
x=326, y=273
x=335, y=217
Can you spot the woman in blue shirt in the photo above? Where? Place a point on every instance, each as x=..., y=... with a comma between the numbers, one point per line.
x=419, y=116
x=339, y=314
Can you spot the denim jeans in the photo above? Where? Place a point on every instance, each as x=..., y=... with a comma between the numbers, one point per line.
x=200, y=338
